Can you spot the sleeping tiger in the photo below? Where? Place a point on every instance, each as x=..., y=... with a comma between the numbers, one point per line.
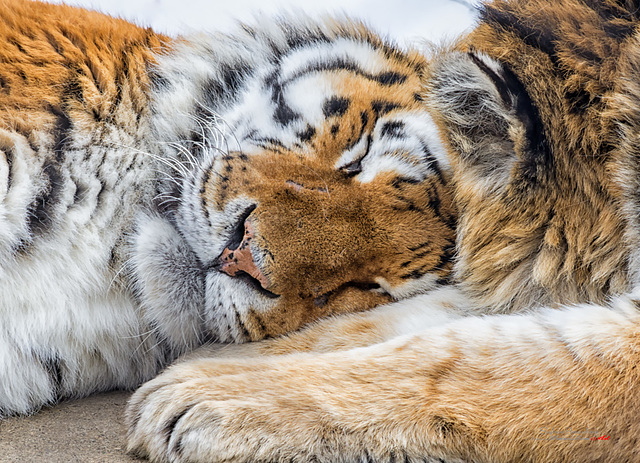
x=157, y=193
x=532, y=354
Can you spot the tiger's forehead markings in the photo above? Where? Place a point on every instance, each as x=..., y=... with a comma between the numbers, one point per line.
x=345, y=102
x=342, y=55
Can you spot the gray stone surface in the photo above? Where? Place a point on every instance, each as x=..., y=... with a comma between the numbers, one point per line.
x=90, y=430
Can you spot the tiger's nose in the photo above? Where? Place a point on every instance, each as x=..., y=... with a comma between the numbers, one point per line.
x=234, y=261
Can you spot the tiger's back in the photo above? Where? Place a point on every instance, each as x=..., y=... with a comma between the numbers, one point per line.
x=71, y=106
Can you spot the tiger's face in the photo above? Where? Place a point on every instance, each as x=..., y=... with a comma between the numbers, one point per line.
x=328, y=194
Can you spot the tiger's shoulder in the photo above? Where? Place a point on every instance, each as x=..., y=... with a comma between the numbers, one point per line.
x=539, y=109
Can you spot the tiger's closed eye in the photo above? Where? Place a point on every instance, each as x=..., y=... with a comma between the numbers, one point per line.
x=361, y=149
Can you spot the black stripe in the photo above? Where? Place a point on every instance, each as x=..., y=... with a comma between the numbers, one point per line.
x=268, y=141
x=434, y=202
x=498, y=80
x=297, y=38
x=399, y=181
x=619, y=31
x=230, y=80
x=53, y=366
x=413, y=275
x=55, y=44
x=386, y=79
x=121, y=79
x=241, y=325
x=448, y=253
x=14, y=41
x=283, y=114
x=9, y=155
x=62, y=131
x=40, y=213
x=538, y=163
x=419, y=246
x=501, y=18
x=383, y=107
x=307, y=134
x=170, y=427
x=619, y=18
x=158, y=80
x=431, y=160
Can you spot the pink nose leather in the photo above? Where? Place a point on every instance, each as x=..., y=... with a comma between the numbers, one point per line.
x=241, y=259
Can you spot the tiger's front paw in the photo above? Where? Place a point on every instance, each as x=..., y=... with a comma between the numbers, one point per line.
x=175, y=423
x=175, y=416
x=191, y=414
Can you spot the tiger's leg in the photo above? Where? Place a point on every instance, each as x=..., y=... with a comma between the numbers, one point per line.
x=537, y=387
x=354, y=330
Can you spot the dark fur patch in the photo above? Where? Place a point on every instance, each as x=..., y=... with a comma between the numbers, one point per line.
x=579, y=100
x=502, y=17
x=445, y=428
x=170, y=426
x=307, y=135
x=157, y=80
x=498, y=80
x=538, y=161
x=380, y=108
x=262, y=329
x=227, y=84
x=52, y=364
x=245, y=332
x=390, y=78
x=336, y=106
x=233, y=77
x=393, y=129
x=283, y=113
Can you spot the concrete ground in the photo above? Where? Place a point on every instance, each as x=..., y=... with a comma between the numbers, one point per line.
x=90, y=430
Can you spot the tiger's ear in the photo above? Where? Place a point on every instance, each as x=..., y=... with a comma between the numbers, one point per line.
x=493, y=128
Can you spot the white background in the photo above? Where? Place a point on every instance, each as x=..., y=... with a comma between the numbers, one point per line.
x=406, y=21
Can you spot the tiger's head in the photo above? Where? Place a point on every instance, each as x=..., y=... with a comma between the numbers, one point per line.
x=314, y=181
